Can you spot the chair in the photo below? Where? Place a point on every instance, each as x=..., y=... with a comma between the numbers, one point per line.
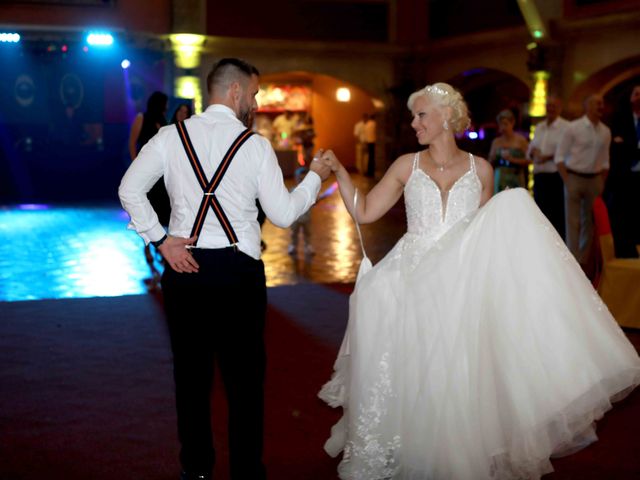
x=619, y=285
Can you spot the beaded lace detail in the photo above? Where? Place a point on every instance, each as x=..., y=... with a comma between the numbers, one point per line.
x=375, y=455
x=432, y=212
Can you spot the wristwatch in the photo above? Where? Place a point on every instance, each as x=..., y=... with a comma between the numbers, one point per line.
x=157, y=243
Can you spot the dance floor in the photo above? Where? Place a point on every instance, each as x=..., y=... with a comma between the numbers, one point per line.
x=84, y=251
x=85, y=370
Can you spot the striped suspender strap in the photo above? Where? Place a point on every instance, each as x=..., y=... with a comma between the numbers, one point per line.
x=209, y=198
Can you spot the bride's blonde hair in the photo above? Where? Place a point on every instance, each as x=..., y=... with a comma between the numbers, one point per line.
x=444, y=95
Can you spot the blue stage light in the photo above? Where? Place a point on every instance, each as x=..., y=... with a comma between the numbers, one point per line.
x=9, y=37
x=473, y=135
x=125, y=64
x=100, y=39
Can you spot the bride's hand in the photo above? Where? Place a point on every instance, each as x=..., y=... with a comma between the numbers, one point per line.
x=330, y=159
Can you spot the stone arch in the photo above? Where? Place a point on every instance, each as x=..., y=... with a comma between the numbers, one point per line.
x=333, y=120
x=487, y=91
x=607, y=82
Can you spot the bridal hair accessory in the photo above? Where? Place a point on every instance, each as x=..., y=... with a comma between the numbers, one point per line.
x=436, y=90
x=445, y=124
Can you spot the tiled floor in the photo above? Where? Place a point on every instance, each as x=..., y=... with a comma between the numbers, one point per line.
x=86, y=251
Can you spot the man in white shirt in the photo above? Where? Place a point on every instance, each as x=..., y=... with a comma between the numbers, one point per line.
x=548, y=190
x=361, y=144
x=582, y=158
x=370, y=139
x=214, y=284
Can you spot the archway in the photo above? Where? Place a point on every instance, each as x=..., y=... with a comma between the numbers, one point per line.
x=613, y=82
x=333, y=119
x=488, y=91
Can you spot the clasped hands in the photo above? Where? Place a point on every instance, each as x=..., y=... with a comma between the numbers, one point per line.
x=324, y=163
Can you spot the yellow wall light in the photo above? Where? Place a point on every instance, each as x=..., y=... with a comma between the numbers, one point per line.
x=538, y=104
x=343, y=94
x=188, y=86
x=187, y=48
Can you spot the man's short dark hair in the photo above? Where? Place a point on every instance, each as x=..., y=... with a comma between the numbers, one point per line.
x=228, y=70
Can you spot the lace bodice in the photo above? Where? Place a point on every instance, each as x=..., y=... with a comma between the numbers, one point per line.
x=431, y=212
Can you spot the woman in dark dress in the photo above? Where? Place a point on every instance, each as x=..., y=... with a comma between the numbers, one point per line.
x=145, y=126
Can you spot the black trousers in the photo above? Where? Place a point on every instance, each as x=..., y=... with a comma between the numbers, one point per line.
x=371, y=165
x=623, y=201
x=548, y=192
x=218, y=315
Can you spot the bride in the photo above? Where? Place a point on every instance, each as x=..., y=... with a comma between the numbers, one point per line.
x=476, y=349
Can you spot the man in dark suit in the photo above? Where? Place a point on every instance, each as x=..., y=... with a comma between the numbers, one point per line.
x=623, y=186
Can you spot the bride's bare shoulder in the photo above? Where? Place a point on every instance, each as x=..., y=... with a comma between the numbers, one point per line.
x=406, y=159
x=485, y=171
x=482, y=165
x=400, y=169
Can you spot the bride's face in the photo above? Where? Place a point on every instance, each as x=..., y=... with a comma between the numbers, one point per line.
x=427, y=120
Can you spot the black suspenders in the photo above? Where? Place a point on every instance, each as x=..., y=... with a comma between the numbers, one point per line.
x=209, y=187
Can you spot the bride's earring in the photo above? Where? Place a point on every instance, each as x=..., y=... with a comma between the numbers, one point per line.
x=445, y=125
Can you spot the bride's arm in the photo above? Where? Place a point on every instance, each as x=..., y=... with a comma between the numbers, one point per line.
x=382, y=196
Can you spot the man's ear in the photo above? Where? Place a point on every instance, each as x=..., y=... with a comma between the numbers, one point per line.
x=235, y=91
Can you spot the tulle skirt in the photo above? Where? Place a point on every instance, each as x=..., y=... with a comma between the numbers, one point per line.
x=476, y=356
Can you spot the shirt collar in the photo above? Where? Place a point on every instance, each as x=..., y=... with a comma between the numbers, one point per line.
x=554, y=123
x=588, y=122
x=220, y=108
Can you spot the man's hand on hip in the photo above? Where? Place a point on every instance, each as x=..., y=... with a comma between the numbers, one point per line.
x=175, y=252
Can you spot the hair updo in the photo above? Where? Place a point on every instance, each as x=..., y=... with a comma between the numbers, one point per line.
x=444, y=95
x=506, y=114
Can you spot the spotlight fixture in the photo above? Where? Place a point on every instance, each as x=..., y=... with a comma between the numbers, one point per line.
x=125, y=64
x=9, y=37
x=99, y=39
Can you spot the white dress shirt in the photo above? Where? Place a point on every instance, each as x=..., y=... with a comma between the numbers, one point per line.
x=358, y=132
x=546, y=139
x=253, y=173
x=370, y=131
x=584, y=147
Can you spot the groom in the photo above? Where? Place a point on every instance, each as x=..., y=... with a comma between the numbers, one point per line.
x=213, y=284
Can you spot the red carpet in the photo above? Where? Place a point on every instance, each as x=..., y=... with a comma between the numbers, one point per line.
x=86, y=393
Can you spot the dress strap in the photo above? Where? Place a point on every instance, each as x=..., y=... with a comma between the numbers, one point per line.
x=416, y=159
x=472, y=162
x=355, y=217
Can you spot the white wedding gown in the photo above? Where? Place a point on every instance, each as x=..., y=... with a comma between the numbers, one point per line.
x=476, y=348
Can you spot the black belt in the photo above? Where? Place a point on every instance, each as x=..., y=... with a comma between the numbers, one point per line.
x=584, y=175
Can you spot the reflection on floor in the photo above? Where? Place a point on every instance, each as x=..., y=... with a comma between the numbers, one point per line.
x=86, y=251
